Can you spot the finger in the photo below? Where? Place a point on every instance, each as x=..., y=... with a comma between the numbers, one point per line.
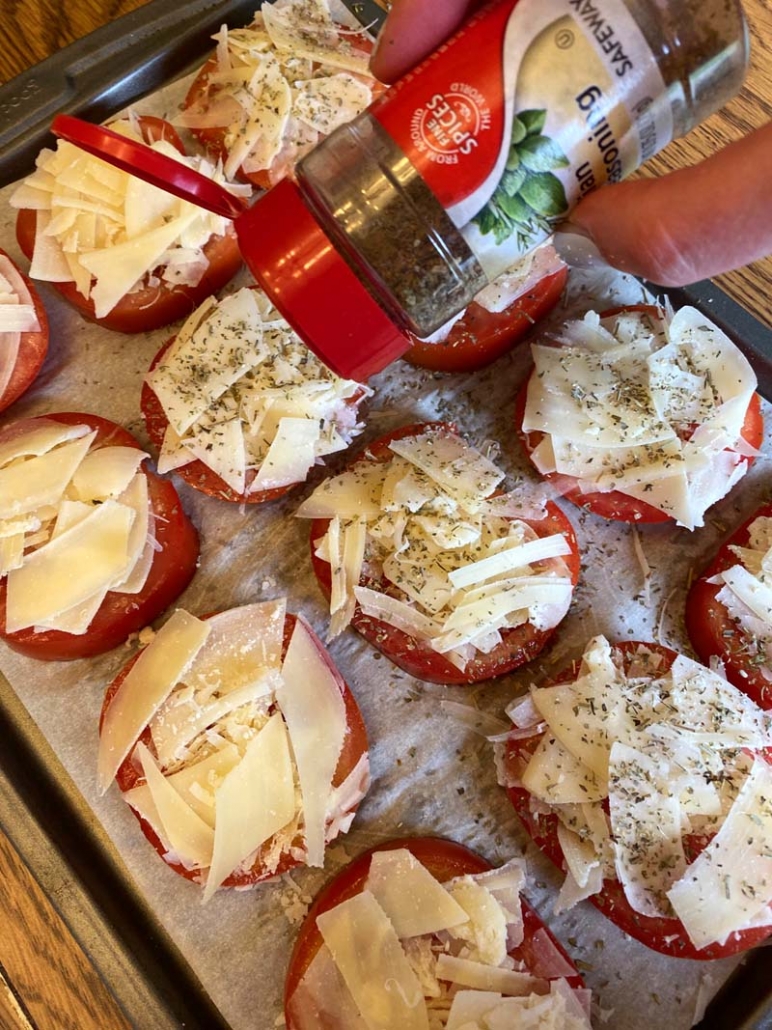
x=412, y=30
x=691, y=224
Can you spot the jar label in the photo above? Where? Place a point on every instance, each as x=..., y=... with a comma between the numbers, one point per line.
x=542, y=101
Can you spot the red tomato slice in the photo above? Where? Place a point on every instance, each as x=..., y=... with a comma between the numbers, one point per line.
x=33, y=348
x=196, y=473
x=148, y=306
x=355, y=745
x=482, y=336
x=518, y=645
x=665, y=935
x=713, y=631
x=614, y=504
x=120, y=614
x=203, y=92
x=444, y=859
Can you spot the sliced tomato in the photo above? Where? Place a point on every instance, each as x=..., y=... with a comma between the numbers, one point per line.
x=355, y=745
x=518, y=645
x=480, y=336
x=196, y=473
x=148, y=306
x=713, y=632
x=614, y=504
x=120, y=615
x=201, y=94
x=445, y=860
x=665, y=935
x=33, y=347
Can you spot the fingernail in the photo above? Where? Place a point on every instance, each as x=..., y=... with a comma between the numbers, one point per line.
x=576, y=247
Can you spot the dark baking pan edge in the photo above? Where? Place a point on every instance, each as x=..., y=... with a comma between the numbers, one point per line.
x=136, y=957
x=745, y=330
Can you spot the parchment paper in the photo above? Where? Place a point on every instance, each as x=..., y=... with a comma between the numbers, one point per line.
x=431, y=773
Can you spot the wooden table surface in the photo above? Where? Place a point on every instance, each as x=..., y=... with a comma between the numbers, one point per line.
x=47, y=981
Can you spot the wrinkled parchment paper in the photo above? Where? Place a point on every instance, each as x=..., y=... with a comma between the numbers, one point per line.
x=431, y=772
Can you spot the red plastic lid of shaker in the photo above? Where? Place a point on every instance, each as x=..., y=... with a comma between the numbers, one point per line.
x=285, y=247
x=314, y=288
x=157, y=169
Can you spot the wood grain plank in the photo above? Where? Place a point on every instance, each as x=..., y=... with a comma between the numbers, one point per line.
x=39, y=28
x=12, y=1015
x=44, y=966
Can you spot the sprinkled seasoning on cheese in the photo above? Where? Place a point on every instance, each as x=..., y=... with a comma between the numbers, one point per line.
x=238, y=746
x=109, y=232
x=246, y=397
x=746, y=593
x=651, y=407
x=457, y=575
x=674, y=754
x=282, y=83
x=432, y=955
x=75, y=523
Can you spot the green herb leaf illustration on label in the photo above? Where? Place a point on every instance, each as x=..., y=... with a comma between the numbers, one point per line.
x=529, y=197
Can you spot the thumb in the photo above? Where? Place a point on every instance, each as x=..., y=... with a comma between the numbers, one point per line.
x=691, y=224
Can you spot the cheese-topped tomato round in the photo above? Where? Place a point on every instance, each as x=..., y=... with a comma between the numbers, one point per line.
x=236, y=743
x=240, y=408
x=93, y=546
x=729, y=608
x=497, y=319
x=422, y=928
x=647, y=778
x=416, y=548
x=641, y=416
x=124, y=253
x=23, y=332
x=273, y=89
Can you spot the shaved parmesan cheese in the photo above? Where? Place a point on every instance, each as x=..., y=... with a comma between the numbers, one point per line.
x=245, y=397
x=366, y=950
x=280, y=84
x=655, y=411
x=188, y=835
x=107, y=232
x=249, y=741
x=106, y=472
x=148, y=683
x=456, y=574
x=401, y=951
x=730, y=883
x=410, y=896
x=312, y=705
x=17, y=315
x=255, y=800
x=41, y=479
x=87, y=558
x=486, y=977
x=322, y=998
x=671, y=754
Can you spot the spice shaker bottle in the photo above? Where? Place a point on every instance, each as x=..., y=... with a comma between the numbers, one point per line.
x=466, y=163
x=396, y=220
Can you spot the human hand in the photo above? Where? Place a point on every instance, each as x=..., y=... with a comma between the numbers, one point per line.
x=674, y=229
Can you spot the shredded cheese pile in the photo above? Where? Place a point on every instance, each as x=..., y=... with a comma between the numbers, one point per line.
x=651, y=407
x=672, y=754
x=281, y=84
x=245, y=396
x=109, y=232
x=75, y=523
x=245, y=743
x=461, y=565
x=411, y=952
